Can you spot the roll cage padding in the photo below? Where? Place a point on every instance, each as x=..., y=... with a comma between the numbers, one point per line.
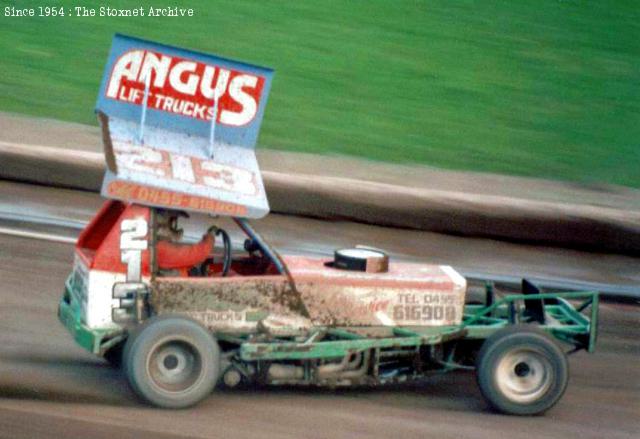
x=174, y=255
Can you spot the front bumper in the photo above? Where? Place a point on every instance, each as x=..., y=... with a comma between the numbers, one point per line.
x=97, y=341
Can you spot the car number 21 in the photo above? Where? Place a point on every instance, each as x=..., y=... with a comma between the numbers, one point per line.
x=133, y=241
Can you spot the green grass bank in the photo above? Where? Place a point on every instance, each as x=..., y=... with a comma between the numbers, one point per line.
x=542, y=88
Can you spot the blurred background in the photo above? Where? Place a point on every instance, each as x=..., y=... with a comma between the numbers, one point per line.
x=534, y=88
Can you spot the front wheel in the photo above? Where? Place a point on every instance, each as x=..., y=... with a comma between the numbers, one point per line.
x=522, y=371
x=172, y=362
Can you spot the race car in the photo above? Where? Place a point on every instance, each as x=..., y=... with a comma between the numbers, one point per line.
x=182, y=317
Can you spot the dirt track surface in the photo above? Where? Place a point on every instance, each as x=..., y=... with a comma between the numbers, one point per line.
x=49, y=387
x=296, y=235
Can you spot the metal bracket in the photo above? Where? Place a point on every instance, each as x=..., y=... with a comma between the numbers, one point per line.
x=143, y=115
x=212, y=132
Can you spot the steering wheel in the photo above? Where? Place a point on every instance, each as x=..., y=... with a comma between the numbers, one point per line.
x=226, y=241
x=226, y=261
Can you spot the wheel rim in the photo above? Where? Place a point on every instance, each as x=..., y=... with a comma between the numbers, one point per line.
x=524, y=375
x=174, y=366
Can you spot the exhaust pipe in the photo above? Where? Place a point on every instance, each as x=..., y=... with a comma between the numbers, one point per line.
x=285, y=372
x=346, y=369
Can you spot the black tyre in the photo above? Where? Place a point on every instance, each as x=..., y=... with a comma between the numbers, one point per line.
x=172, y=362
x=522, y=371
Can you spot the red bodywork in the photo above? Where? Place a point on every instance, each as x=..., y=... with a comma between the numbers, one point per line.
x=310, y=292
x=99, y=243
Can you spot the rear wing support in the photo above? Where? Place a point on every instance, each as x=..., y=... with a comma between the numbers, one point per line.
x=143, y=113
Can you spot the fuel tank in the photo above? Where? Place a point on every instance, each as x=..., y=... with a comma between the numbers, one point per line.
x=407, y=294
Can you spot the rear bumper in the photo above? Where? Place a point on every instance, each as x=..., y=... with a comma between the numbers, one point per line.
x=97, y=341
x=574, y=323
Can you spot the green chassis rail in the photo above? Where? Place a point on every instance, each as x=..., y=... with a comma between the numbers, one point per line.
x=575, y=325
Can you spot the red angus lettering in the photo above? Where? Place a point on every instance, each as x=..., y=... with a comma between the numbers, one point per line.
x=186, y=87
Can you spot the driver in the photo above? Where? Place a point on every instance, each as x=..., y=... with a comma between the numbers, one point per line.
x=174, y=257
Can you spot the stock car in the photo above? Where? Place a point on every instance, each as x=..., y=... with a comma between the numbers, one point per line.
x=182, y=318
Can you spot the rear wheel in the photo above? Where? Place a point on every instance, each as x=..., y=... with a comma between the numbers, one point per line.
x=172, y=362
x=522, y=371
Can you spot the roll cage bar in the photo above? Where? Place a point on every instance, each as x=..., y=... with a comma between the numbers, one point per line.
x=269, y=252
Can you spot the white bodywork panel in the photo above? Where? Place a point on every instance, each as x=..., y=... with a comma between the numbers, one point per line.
x=170, y=170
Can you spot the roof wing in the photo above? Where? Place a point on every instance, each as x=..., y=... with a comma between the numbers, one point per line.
x=179, y=129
